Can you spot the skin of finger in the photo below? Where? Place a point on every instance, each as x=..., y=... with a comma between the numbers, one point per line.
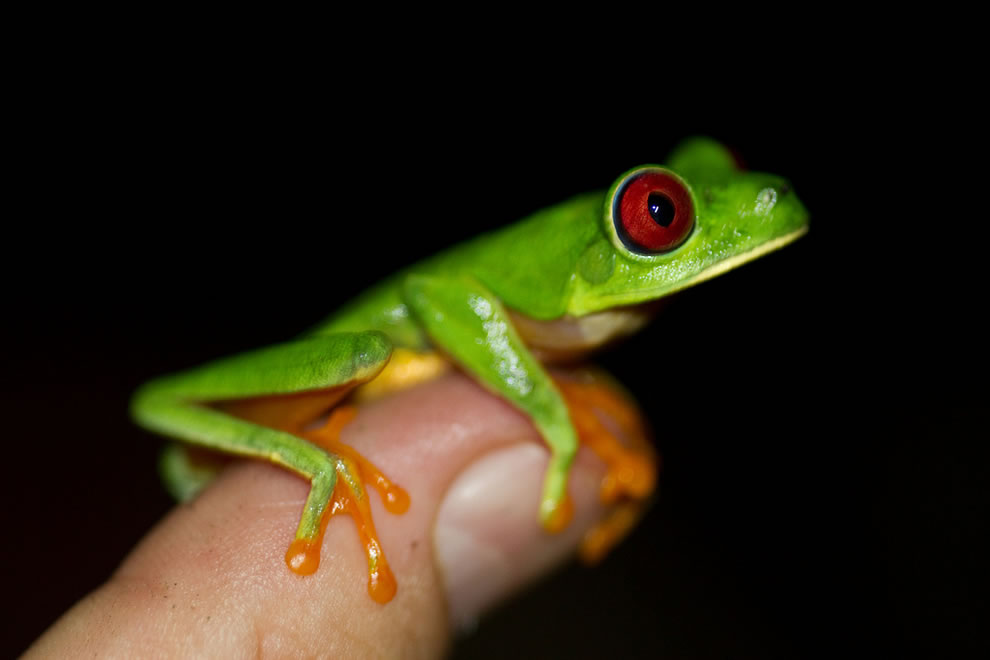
x=210, y=580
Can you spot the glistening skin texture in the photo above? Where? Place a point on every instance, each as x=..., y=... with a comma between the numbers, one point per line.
x=494, y=306
x=210, y=580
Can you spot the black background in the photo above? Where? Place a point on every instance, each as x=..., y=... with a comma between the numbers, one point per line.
x=822, y=431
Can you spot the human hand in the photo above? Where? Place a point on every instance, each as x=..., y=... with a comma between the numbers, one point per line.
x=210, y=580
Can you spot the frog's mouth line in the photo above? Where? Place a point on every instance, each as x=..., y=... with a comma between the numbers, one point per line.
x=739, y=259
x=640, y=295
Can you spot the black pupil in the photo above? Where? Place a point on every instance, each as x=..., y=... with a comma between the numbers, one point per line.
x=661, y=209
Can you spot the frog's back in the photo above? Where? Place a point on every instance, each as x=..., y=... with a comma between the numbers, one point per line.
x=527, y=265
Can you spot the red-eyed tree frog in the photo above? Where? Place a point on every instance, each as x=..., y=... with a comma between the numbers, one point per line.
x=554, y=285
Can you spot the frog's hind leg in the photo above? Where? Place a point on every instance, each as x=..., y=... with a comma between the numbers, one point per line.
x=256, y=404
x=609, y=424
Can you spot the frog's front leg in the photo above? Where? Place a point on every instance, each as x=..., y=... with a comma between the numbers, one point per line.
x=257, y=404
x=469, y=324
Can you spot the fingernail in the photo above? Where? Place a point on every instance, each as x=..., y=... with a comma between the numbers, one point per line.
x=487, y=536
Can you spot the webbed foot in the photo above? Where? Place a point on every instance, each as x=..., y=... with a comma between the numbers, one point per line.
x=609, y=424
x=349, y=496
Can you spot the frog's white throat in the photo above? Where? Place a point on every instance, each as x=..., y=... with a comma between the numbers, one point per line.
x=570, y=337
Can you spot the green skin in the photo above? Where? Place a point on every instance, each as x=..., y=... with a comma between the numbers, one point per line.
x=457, y=301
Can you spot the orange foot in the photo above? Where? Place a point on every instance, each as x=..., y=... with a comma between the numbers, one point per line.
x=350, y=497
x=601, y=416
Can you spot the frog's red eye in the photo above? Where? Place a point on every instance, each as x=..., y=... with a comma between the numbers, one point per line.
x=653, y=212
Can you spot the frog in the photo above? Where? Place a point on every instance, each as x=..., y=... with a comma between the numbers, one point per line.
x=550, y=288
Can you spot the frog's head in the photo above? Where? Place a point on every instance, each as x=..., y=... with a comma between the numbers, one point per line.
x=665, y=228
